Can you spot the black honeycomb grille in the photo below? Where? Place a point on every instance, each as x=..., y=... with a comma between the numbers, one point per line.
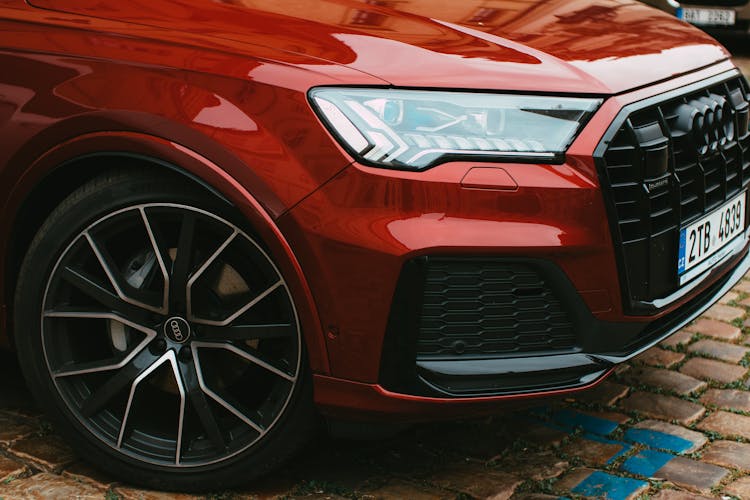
x=477, y=307
x=663, y=171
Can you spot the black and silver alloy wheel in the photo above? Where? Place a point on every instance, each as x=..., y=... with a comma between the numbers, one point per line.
x=166, y=332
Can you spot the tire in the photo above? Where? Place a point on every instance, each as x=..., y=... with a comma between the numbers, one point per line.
x=160, y=336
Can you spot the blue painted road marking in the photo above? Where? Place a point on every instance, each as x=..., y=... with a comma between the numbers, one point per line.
x=602, y=485
x=658, y=440
x=594, y=425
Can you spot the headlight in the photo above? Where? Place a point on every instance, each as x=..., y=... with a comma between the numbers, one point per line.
x=416, y=129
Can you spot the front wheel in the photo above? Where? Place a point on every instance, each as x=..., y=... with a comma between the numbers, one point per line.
x=161, y=336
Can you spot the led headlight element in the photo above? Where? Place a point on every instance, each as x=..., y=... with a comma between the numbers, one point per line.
x=416, y=129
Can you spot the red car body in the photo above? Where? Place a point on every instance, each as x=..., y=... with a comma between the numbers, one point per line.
x=219, y=89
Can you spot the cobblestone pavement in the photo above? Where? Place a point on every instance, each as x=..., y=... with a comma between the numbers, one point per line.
x=674, y=424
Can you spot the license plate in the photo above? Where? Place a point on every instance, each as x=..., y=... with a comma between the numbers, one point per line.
x=707, y=17
x=707, y=241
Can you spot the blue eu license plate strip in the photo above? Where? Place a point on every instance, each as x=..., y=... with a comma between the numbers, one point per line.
x=681, y=258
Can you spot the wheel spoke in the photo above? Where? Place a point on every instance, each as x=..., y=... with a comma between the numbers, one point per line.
x=101, y=365
x=169, y=357
x=181, y=419
x=199, y=401
x=250, y=354
x=181, y=264
x=231, y=407
x=117, y=382
x=109, y=268
x=248, y=332
x=82, y=313
x=202, y=269
x=242, y=310
x=96, y=291
x=161, y=257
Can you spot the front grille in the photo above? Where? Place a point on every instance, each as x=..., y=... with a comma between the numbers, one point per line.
x=474, y=307
x=669, y=162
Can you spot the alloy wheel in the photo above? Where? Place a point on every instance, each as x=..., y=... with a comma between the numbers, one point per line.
x=170, y=335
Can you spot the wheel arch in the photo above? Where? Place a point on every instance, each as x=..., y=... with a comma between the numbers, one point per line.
x=58, y=172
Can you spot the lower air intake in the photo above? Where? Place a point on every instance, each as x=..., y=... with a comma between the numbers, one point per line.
x=475, y=307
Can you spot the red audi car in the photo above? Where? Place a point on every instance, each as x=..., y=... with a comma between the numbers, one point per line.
x=221, y=219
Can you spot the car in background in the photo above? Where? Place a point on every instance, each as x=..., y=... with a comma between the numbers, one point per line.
x=718, y=17
x=221, y=220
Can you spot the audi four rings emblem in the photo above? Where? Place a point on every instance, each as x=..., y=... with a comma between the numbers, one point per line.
x=710, y=120
x=177, y=330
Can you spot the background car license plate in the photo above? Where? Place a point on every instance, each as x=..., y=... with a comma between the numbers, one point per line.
x=708, y=236
x=707, y=17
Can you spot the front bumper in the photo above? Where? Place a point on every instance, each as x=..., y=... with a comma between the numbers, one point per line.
x=349, y=400
x=358, y=236
x=542, y=351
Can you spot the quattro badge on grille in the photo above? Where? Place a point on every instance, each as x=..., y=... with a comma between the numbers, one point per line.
x=657, y=184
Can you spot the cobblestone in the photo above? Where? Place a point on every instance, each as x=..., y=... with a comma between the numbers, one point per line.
x=478, y=482
x=660, y=357
x=727, y=399
x=744, y=285
x=403, y=489
x=728, y=454
x=612, y=416
x=676, y=495
x=726, y=313
x=727, y=424
x=573, y=478
x=126, y=493
x=543, y=449
x=696, y=440
x=681, y=338
x=82, y=471
x=663, y=407
x=593, y=452
x=709, y=369
x=12, y=429
x=667, y=379
x=607, y=393
x=544, y=435
x=719, y=350
x=730, y=297
x=692, y=475
x=10, y=469
x=50, y=486
x=539, y=466
x=716, y=329
x=739, y=488
x=46, y=452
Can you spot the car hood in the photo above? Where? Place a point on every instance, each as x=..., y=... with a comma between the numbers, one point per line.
x=577, y=46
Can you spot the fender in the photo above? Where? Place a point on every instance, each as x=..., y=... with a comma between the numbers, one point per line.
x=185, y=159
